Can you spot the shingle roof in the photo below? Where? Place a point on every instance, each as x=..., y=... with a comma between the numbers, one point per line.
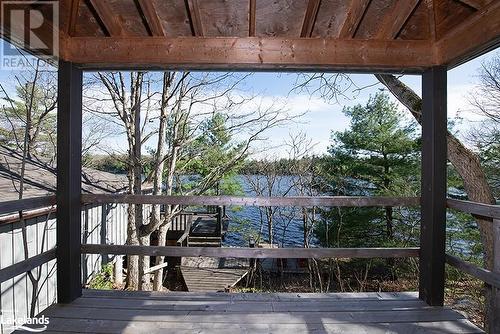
x=40, y=177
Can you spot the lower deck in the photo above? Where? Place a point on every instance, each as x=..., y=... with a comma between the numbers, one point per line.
x=177, y=312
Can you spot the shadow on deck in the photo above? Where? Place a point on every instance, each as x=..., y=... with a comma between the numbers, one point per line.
x=177, y=312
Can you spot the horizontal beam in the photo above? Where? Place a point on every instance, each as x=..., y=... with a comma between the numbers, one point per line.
x=479, y=209
x=322, y=201
x=473, y=37
x=26, y=265
x=256, y=253
x=26, y=204
x=249, y=53
x=484, y=275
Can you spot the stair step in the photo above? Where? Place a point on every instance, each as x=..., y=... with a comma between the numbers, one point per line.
x=200, y=239
x=203, y=244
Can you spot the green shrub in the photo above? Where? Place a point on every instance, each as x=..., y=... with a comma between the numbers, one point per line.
x=104, y=278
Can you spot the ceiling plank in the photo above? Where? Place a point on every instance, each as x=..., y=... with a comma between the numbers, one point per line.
x=250, y=53
x=73, y=17
x=476, y=4
x=195, y=17
x=354, y=15
x=151, y=15
x=251, y=17
x=393, y=22
x=107, y=17
x=478, y=34
x=310, y=18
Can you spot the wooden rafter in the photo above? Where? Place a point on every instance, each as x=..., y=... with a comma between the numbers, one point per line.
x=432, y=19
x=75, y=4
x=393, y=22
x=250, y=53
x=106, y=16
x=194, y=17
x=151, y=16
x=471, y=37
x=476, y=4
x=353, y=18
x=251, y=17
x=310, y=18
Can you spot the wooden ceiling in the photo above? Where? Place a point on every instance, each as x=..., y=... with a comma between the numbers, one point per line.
x=367, y=35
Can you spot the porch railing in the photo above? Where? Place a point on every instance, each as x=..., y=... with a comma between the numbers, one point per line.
x=245, y=252
x=490, y=213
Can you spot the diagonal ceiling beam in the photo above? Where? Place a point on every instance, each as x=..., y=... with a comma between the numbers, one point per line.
x=106, y=16
x=195, y=17
x=353, y=18
x=151, y=15
x=476, y=4
x=310, y=18
x=251, y=18
x=75, y=4
x=432, y=18
x=393, y=22
x=475, y=36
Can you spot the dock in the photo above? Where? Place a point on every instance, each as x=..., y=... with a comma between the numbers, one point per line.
x=205, y=274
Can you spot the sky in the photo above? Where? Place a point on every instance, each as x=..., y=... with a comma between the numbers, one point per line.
x=324, y=116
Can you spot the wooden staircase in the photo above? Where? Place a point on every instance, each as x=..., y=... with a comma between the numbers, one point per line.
x=209, y=241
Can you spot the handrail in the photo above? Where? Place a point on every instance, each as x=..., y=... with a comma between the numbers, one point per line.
x=484, y=275
x=480, y=209
x=323, y=201
x=245, y=252
x=26, y=265
x=185, y=235
x=26, y=204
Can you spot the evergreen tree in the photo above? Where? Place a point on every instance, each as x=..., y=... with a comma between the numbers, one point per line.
x=211, y=153
x=378, y=155
x=31, y=112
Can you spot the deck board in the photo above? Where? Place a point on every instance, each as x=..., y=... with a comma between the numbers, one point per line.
x=176, y=312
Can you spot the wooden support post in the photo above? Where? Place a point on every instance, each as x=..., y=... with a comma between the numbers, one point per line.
x=494, y=321
x=433, y=198
x=69, y=171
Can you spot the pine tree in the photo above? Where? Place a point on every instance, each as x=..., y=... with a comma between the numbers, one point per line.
x=378, y=155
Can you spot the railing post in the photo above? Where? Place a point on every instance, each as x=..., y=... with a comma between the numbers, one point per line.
x=433, y=192
x=69, y=171
x=494, y=325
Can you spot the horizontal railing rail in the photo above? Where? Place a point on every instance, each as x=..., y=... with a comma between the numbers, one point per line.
x=482, y=274
x=26, y=204
x=26, y=265
x=245, y=252
x=240, y=252
x=492, y=213
x=479, y=209
x=305, y=201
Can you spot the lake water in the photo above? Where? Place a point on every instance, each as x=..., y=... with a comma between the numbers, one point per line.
x=246, y=221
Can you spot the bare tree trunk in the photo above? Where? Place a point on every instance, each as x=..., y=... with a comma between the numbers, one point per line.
x=465, y=162
x=132, y=239
x=158, y=277
x=162, y=232
x=158, y=175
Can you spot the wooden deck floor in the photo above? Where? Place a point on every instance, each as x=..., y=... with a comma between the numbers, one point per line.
x=175, y=312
